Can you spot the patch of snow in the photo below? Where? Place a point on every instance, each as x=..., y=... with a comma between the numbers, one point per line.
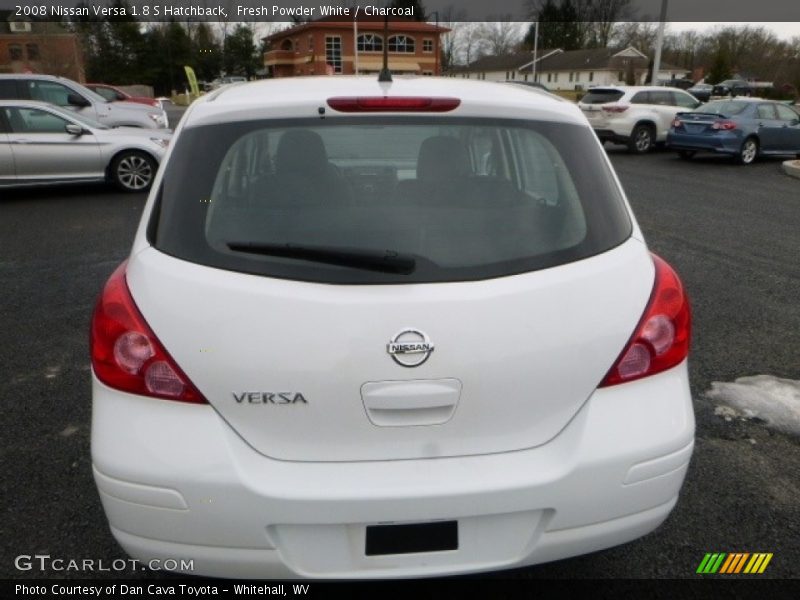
x=776, y=401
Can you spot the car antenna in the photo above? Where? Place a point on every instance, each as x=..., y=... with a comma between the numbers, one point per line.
x=385, y=74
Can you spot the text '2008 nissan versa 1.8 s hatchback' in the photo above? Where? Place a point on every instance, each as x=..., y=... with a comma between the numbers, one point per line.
x=387, y=329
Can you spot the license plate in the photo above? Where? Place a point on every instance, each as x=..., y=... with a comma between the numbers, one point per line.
x=411, y=538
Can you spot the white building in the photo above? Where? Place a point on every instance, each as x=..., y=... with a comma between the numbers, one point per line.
x=568, y=69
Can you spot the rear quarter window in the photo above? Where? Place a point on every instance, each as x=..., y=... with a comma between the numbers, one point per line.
x=466, y=198
x=602, y=96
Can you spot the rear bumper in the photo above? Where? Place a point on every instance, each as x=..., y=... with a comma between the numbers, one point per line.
x=177, y=483
x=721, y=143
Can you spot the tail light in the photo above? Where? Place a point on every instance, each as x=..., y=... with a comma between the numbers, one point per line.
x=393, y=104
x=127, y=355
x=661, y=339
x=677, y=123
x=724, y=125
x=615, y=108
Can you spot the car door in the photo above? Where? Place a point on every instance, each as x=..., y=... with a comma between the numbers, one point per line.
x=770, y=132
x=790, y=129
x=44, y=151
x=7, y=171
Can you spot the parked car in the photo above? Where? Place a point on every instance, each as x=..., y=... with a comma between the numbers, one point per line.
x=41, y=144
x=114, y=94
x=678, y=82
x=701, y=91
x=358, y=349
x=638, y=116
x=733, y=88
x=744, y=129
x=220, y=81
x=70, y=95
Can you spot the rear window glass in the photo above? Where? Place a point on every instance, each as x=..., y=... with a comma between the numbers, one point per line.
x=602, y=96
x=461, y=199
x=723, y=107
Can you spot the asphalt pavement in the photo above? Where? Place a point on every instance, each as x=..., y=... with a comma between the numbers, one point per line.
x=733, y=234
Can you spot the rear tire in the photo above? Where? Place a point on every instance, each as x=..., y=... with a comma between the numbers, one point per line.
x=748, y=152
x=642, y=140
x=133, y=171
x=687, y=154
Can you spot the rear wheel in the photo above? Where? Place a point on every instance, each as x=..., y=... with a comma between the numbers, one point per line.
x=642, y=139
x=133, y=171
x=748, y=151
x=686, y=154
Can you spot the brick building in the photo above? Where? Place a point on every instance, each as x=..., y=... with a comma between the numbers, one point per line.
x=39, y=47
x=328, y=47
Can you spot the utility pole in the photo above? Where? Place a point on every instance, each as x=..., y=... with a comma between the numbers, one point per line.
x=535, y=48
x=659, y=42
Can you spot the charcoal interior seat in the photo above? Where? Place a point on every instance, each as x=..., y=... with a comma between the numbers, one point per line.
x=303, y=175
x=445, y=178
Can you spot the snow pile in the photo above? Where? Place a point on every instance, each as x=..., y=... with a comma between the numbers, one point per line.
x=775, y=401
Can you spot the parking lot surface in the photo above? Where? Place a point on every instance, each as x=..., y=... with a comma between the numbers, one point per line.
x=731, y=232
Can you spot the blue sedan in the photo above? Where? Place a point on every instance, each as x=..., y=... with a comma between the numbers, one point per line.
x=742, y=128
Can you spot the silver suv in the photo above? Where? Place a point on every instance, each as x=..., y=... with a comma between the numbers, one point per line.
x=638, y=116
x=83, y=101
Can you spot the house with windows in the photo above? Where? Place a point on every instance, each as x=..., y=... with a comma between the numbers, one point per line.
x=506, y=67
x=334, y=47
x=29, y=46
x=569, y=69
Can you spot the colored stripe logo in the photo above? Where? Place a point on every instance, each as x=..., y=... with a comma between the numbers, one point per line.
x=734, y=563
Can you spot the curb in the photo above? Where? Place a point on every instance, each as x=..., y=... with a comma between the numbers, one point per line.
x=792, y=168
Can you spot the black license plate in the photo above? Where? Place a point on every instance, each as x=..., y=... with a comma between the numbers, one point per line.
x=411, y=538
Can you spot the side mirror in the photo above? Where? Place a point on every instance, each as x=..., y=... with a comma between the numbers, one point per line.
x=73, y=129
x=77, y=100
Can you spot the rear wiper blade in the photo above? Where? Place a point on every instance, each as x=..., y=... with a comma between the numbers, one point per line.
x=385, y=261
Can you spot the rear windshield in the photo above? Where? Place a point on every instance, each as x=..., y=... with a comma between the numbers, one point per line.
x=723, y=107
x=457, y=199
x=602, y=96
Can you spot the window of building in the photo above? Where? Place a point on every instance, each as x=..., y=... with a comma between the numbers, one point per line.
x=621, y=76
x=287, y=45
x=549, y=78
x=428, y=73
x=370, y=42
x=555, y=77
x=402, y=44
x=570, y=76
x=577, y=76
x=15, y=52
x=591, y=75
x=427, y=46
x=333, y=53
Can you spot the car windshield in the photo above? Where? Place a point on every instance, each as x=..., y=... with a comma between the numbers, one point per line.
x=723, y=107
x=602, y=96
x=388, y=200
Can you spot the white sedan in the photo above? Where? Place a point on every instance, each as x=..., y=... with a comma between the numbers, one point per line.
x=41, y=144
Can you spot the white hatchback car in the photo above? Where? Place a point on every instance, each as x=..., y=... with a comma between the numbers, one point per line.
x=638, y=116
x=387, y=330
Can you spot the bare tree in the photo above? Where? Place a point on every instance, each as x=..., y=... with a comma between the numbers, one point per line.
x=452, y=41
x=640, y=35
x=500, y=36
